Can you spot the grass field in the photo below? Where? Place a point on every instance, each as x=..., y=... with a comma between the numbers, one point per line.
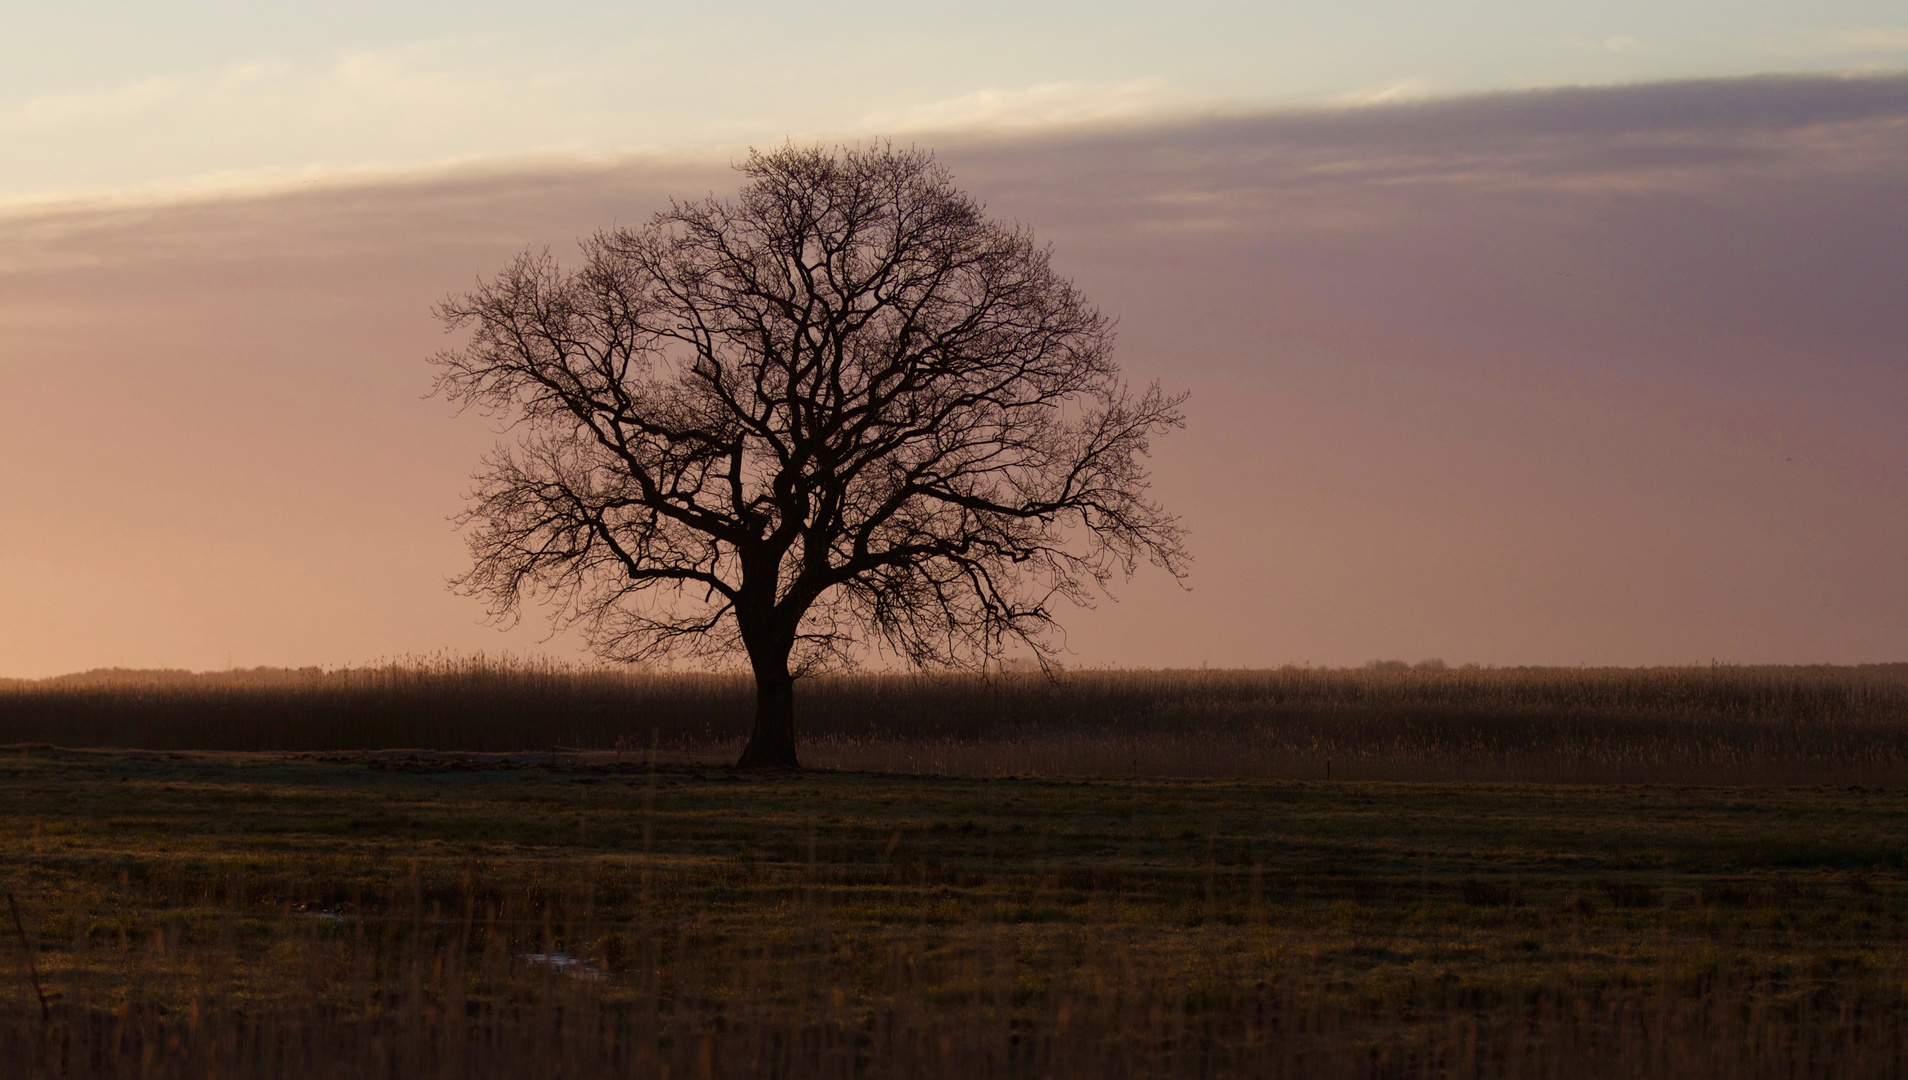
x=579, y=915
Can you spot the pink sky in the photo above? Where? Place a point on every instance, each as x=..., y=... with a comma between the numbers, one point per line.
x=1610, y=376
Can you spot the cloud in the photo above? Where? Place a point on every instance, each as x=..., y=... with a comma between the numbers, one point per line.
x=1356, y=166
x=1859, y=41
x=129, y=102
x=366, y=108
x=1405, y=90
x=1311, y=170
x=1042, y=105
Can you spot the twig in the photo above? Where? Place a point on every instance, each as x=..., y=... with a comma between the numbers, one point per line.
x=33, y=970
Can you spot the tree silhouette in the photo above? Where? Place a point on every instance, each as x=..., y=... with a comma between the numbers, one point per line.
x=842, y=414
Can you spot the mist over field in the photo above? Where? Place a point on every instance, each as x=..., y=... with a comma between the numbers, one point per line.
x=1607, y=376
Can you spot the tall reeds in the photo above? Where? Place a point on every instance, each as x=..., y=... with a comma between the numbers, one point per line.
x=1719, y=724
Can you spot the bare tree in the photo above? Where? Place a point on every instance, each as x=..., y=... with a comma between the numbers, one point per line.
x=843, y=413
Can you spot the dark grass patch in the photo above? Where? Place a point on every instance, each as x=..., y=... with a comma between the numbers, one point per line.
x=1180, y=927
x=1491, y=893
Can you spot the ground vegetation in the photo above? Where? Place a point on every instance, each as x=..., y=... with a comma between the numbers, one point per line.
x=1704, y=725
x=422, y=915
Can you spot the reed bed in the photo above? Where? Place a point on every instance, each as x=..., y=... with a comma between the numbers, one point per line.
x=1715, y=724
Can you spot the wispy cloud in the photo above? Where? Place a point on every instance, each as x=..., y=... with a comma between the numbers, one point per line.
x=55, y=111
x=1042, y=105
x=1355, y=167
x=400, y=106
x=1848, y=43
x=1402, y=91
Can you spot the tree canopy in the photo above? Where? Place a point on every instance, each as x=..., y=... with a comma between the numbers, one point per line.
x=842, y=413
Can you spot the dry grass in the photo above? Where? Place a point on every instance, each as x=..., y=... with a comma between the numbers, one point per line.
x=255, y=894
x=420, y=997
x=379, y=915
x=1723, y=724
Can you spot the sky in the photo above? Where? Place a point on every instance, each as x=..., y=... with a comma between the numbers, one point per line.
x=1572, y=335
x=104, y=97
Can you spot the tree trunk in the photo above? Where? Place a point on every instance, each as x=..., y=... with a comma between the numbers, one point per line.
x=772, y=742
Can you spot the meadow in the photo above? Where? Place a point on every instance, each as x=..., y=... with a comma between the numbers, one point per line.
x=1541, y=872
